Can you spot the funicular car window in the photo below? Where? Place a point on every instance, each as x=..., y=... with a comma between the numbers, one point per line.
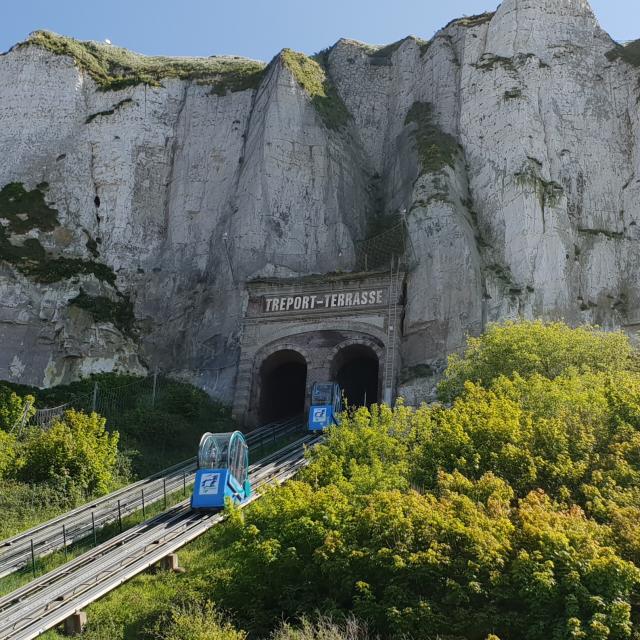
x=322, y=393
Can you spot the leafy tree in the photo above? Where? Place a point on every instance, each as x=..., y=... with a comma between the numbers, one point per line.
x=528, y=347
x=76, y=448
x=566, y=578
x=509, y=514
x=8, y=452
x=12, y=407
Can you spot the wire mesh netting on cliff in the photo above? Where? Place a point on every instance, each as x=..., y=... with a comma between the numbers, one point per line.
x=388, y=245
x=107, y=401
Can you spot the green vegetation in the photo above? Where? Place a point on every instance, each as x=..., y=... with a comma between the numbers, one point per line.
x=472, y=21
x=436, y=149
x=108, y=112
x=114, y=68
x=529, y=348
x=46, y=472
x=417, y=372
x=612, y=235
x=549, y=193
x=488, y=62
x=117, y=312
x=316, y=82
x=73, y=460
x=76, y=447
x=47, y=269
x=509, y=514
x=25, y=211
x=630, y=53
x=383, y=54
x=13, y=408
x=512, y=94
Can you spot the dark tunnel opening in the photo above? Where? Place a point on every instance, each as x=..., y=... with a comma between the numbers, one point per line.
x=283, y=378
x=356, y=370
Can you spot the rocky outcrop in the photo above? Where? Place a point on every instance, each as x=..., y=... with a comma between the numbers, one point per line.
x=509, y=139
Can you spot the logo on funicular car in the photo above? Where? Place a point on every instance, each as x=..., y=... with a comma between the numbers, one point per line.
x=320, y=414
x=209, y=483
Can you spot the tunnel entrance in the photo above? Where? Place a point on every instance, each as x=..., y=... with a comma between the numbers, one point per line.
x=283, y=381
x=356, y=369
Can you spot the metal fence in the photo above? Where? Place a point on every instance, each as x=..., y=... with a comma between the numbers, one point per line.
x=107, y=401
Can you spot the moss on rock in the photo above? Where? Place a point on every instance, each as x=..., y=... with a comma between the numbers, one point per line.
x=23, y=211
x=436, y=148
x=115, y=68
x=417, y=372
x=314, y=80
x=108, y=112
x=26, y=210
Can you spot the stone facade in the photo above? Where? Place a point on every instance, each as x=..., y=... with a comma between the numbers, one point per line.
x=338, y=313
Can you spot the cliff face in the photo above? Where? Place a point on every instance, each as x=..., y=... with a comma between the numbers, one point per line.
x=136, y=201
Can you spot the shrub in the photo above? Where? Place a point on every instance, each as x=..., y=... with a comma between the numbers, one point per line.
x=528, y=347
x=12, y=407
x=76, y=448
x=23, y=505
x=8, y=451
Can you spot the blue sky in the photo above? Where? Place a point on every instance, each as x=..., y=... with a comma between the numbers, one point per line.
x=259, y=28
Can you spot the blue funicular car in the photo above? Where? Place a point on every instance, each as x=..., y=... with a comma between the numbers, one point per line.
x=326, y=405
x=223, y=470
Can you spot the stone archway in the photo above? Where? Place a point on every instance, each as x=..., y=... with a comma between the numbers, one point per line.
x=280, y=383
x=356, y=365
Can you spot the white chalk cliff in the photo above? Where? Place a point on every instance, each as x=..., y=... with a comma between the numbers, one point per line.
x=510, y=139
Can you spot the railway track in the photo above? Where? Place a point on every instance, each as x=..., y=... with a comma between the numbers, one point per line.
x=85, y=521
x=50, y=599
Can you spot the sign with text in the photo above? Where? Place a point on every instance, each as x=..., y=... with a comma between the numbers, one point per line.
x=317, y=302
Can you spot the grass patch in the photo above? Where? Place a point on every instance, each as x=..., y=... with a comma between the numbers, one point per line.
x=117, y=312
x=630, y=53
x=436, y=149
x=114, y=68
x=314, y=80
x=52, y=561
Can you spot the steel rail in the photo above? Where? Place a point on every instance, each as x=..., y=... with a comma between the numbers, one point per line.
x=86, y=520
x=49, y=600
